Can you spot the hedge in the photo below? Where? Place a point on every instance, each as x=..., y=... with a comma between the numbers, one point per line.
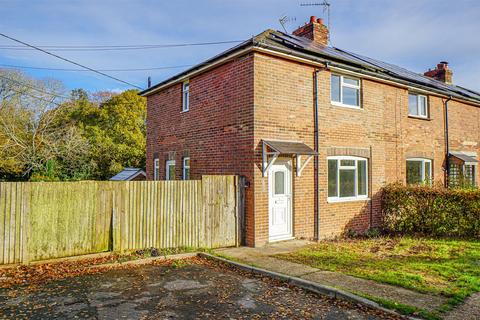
x=431, y=211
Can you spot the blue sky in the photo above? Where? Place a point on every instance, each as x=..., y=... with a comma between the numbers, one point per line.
x=414, y=34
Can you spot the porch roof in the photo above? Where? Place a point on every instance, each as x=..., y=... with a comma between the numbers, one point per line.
x=464, y=158
x=290, y=147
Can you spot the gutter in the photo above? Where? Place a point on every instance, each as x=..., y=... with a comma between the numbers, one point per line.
x=447, y=144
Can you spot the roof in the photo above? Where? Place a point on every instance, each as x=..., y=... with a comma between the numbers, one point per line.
x=290, y=147
x=310, y=50
x=467, y=159
x=128, y=174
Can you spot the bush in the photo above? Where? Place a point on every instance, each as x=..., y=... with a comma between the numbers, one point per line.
x=432, y=211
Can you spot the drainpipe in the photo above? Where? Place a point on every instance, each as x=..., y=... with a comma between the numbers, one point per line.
x=447, y=143
x=316, y=160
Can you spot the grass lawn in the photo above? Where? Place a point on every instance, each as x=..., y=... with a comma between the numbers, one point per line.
x=447, y=267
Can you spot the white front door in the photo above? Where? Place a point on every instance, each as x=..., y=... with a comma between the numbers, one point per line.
x=280, y=200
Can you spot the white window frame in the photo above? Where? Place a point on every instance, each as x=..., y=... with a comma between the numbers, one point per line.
x=185, y=96
x=419, y=97
x=169, y=163
x=337, y=198
x=422, y=160
x=156, y=169
x=342, y=84
x=185, y=167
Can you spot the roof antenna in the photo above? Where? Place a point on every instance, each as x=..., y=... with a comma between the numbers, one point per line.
x=284, y=20
x=326, y=8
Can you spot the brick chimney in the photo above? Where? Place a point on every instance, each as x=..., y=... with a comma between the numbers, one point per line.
x=441, y=73
x=314, y=30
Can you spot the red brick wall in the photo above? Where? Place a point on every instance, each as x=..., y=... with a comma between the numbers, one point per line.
x=217, y=131
x=235, y=106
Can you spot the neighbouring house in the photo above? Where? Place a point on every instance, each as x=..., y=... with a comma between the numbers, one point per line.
x=130, y=174
x=315, y=130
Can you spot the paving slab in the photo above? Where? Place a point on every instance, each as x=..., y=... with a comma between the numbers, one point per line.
x=376, y=289
x=469, y=310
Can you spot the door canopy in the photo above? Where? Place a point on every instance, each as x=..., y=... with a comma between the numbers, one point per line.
x=272, y=149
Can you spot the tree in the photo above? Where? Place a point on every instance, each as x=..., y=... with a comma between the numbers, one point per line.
x=116, y=132
x=30, y=136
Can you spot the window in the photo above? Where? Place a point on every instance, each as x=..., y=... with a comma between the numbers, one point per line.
x=186, y=96
x=417, y=105
x=170, y=170
x=419, y=171
x=156, y=169
x=279, y=183
x=345, y=91
x=462, y=176
x=186, y=168
x=347, y=178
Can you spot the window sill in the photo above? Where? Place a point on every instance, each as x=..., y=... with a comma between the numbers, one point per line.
x=420, y=118
x=183, y=111
x=338, y=200
x=339, y=104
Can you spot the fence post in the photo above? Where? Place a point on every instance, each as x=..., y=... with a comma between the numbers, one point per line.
x=240, y=206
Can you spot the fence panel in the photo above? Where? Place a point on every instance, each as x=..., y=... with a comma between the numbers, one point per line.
x=44, y=220
x=68, y=219
x=174, y=214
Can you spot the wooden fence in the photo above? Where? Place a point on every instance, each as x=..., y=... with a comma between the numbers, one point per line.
x=45, y=220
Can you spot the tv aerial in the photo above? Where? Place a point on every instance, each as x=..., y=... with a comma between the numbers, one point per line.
x=284, y=20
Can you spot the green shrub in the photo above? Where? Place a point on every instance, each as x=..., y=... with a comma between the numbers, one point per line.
x=433, y=211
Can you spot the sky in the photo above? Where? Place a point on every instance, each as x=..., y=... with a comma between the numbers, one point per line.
x=414, y=34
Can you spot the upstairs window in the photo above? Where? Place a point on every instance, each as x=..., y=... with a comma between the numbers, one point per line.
x=347, y=178
x=186, y=96
x=170, y=170
x=419, y=171
x=186, y=168
x=417, y=105
x=345, y=91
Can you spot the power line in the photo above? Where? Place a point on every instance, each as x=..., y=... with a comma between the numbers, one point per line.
x=83, y=70
x=119, y=47
x=70, y=61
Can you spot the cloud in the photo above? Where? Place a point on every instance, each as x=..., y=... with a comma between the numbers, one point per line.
x=412, y=34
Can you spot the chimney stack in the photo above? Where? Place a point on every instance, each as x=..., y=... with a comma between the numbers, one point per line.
x=441, y=73
x=315, y=30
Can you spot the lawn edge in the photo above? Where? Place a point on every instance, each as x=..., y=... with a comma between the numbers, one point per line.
x=307, y=285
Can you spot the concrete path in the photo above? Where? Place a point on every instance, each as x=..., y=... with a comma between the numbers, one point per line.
x=262, y=258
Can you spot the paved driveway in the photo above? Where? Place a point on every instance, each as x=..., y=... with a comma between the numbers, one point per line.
x=195, y=289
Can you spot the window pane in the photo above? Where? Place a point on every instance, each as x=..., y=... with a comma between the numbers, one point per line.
x=354, y=82
x=469, y=175
x=279, y=182
x=428, y=172
x=362, y=177
x=335, y=88
x=349, y=163
x=350, y=96
x=332, y=178
x=186, y=174
x=414, y=172
x=347, y=183
x=171, y=172
x=423, y=106
x=412, y=105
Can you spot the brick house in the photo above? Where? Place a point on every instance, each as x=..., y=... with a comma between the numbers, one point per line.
x=315, y=130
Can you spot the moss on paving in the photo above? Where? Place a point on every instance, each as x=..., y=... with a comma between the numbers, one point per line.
x=442, y=267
